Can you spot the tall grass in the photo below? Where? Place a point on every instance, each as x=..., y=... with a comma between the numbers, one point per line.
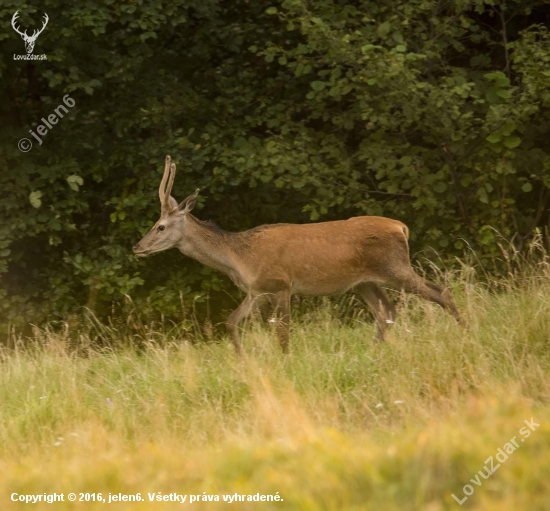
x=342, y=423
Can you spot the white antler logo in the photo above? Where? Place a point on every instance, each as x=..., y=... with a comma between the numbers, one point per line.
x=29, y=39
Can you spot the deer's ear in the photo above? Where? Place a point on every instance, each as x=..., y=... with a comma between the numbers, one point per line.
x=188, y=204
x=173, y=202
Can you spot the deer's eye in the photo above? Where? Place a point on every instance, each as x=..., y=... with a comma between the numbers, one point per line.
x=161, y=228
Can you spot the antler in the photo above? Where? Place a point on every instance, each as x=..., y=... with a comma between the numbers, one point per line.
x=164, y=190
x=14, y=17
x=38, y=32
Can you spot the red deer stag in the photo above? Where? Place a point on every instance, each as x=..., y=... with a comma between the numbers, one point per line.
x=273, y=261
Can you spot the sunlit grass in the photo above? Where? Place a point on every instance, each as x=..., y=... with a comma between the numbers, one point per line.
x=342, y=423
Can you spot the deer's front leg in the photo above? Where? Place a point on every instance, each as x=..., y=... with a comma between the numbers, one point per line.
x=241, y=312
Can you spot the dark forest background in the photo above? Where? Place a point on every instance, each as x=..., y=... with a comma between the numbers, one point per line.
x=435, y=113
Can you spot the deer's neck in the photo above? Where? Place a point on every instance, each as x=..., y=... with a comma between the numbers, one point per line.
x=211, y=246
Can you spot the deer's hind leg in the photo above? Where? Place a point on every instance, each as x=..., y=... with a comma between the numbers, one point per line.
x=380, y=305
x=280, y=301
x=413, y=283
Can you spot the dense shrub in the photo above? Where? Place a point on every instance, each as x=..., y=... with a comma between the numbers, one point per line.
x=435, y=113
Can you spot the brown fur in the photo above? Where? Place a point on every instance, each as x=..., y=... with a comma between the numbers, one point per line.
x=274, y=261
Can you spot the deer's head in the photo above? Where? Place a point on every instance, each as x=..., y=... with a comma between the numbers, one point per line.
x=170, y=229
x=29, y=39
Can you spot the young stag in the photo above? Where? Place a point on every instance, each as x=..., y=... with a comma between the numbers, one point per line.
x=271, y=262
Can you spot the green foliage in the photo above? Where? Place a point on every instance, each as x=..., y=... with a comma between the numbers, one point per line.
x=435, y=114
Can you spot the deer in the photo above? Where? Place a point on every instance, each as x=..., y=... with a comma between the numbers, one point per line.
x=29, y=39
x=274, y=261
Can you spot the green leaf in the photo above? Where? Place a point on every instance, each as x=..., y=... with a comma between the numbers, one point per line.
x=271, y=146
x=492, y=96
x=317, y=85
x=511, y=142
x=527, y=187
x=482, y=194
x=500, y=79
x=384, y=29
x=368, y=48
x=494, y=138
x=74, y=182
x=34, y=198
x=271, y=10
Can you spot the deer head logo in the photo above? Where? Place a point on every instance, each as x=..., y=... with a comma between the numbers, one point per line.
x=29, y=39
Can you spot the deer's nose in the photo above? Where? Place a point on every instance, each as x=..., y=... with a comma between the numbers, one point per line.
x=136, y=247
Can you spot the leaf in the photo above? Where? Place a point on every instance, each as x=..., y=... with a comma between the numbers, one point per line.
x=34, y=198
x=317, y=85
x=511, y=142
x=492, y=96
x=367, y=48
x=271, y=146
x=384, y=29
x=482, y=194
x=398, y=38
x=480, y=60
x=271, y=10
x=508, y=127
x=494, y=138
x=74, y=182
x=500, y=79
x=527, y=187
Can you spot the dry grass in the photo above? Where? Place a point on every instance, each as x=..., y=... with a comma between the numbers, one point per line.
x=341, y=423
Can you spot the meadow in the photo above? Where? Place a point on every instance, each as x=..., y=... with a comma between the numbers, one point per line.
x=341, y=423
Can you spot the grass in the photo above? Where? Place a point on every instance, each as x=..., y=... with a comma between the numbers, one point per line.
x=341, y=423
